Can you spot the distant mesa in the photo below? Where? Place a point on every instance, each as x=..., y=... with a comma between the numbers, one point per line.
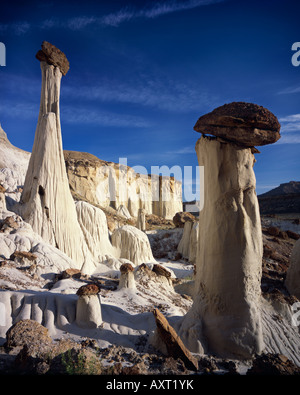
x=283, y=199
x=52, y=55
x=246, y=124
x=283, y=189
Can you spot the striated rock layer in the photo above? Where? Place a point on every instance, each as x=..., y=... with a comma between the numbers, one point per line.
x=114, y=185
x=132, y=244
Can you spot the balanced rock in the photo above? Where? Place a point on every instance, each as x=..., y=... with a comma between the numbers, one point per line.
x=89, y=289
x=46, y=201
x=247, y=124
x=127, y=276
x=54, y=56
x=88, y=307
x=225, y=317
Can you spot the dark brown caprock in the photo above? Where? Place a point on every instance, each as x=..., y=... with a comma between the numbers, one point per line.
x=52, y=55
x=246, y=124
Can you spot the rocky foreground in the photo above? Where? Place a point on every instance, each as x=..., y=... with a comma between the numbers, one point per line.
x=29, y=348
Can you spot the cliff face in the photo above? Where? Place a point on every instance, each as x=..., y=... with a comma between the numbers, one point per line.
x=113, y=185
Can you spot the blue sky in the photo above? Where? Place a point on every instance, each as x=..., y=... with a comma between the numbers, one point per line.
x=143, y=72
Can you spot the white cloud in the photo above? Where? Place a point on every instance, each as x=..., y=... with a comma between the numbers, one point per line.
x=81, y=22
x=158, y=92
x=290, y=129
x=113, y=19
x=127, y=14
x=71, y=115
x=292, y=138
x=182, y=151
x=289, y=90
x=17, y=28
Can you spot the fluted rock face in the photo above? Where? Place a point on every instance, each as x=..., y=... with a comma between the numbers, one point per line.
x=225, y=316
x=93, y=224
x=132, y=244
x=47, y=203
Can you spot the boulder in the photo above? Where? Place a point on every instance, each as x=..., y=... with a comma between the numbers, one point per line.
x=273, y=365
x=53, y=56
x=27, y=332
x=293, y=235
x=273, y=230
x=246, y=124
x=70, y=273
x=161, y=271
x=181, y=218
x=89, y=289
x=23, y=257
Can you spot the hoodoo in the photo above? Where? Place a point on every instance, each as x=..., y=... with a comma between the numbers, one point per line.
x=47, y=203
x=225, y=316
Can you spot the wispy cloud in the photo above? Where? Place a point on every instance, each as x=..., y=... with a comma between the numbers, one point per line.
x=80, y=115
x=113, y=19
x=156, y=92
x=128, y=14
x=73, y=115
x=182, y=151
x=17, y=28
x=290, y=90
x=290, y=129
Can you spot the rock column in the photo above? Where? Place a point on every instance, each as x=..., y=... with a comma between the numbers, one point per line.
x=225, y=317
x=47, y=203
x=88, y=307
x=127, y=276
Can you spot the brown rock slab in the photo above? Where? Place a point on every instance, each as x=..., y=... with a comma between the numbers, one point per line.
x=126, y=267
x=23, y=256
x=52, y=55
x=161, y=271
x=89, y=289
x=175, y=347
x=246, y=124
x=71, y=273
